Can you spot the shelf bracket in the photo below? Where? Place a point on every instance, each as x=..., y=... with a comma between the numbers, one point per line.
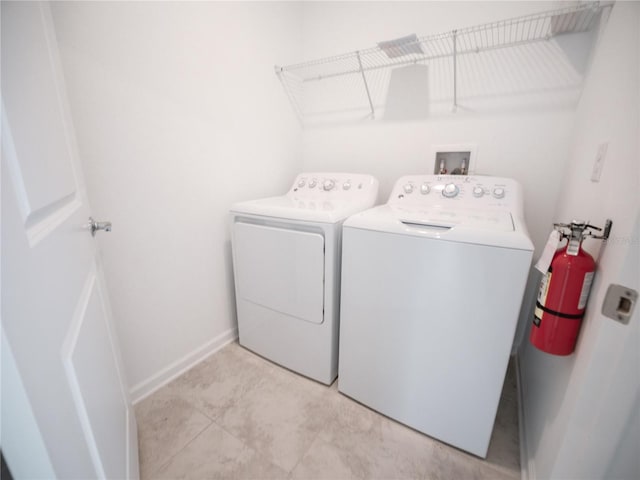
x=366, y=85
x=455, y=70
x=292, y=99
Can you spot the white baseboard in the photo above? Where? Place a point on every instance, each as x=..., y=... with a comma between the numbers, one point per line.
x=526, y=467
x=147, y=387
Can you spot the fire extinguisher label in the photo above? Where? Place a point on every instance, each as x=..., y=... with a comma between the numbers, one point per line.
x=549, y=251
x=544, y=287
x=586, y=288
x=542, y=297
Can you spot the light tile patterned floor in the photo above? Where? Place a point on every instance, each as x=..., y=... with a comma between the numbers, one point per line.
x=238, y=416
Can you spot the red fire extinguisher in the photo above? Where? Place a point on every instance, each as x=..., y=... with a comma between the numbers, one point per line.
x=564, y=291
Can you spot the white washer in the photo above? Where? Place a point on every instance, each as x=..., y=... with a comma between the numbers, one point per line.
x=286, y=258
x=432, y=284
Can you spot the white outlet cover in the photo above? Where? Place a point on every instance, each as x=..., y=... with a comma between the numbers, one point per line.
x=599, y=162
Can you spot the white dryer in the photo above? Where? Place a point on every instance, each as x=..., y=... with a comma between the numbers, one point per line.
x=286, y=259
x=432, y=284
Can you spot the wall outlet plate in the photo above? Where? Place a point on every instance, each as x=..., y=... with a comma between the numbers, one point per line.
x=619, y=303
x=599, y=163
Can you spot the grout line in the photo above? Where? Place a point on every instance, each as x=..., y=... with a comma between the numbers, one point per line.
x=252, y=387
x=289, y=377
x=246, y=445
x=204, y=413
x=198, y=409
x=171, y=457
x=334, y=414
x=327, y=398
x=306, y=451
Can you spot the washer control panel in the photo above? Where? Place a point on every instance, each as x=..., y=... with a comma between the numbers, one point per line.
x=456, y=191
x=334, y=185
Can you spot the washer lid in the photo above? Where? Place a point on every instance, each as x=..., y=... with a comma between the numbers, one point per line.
x=492, y=228
x=443, y=217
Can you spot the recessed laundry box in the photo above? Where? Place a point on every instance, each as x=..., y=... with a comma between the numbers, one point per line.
x=432, y=284
x=286, y=259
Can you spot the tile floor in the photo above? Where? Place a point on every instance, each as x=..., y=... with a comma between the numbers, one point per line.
x=236, y=415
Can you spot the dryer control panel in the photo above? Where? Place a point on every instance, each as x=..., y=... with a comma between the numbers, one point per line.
x=337, y=186
x=316, y=197
x=457, y=191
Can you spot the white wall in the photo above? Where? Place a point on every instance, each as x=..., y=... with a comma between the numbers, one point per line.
x=175, y=103
x=523, y=136
x=527, y=147
x=580, y=409
x=516, y=105
x=178, y=114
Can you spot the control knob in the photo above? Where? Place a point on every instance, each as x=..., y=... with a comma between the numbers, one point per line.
x=408, y=188
x=425, y=188
x=328, y=185
x=346, y=185
x=301, y=183
x=313, y=183
x=450, y=190
x=498, y=192
x=478, y=192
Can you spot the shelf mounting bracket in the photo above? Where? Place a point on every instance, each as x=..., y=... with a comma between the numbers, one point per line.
x=454, y=35
x=366, y=85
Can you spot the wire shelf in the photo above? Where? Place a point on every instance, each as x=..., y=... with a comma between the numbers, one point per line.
x=432, y=49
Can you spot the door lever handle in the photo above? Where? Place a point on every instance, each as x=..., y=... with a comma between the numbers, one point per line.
x=94, y=226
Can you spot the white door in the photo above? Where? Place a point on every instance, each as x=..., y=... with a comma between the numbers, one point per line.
x=55, y=313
